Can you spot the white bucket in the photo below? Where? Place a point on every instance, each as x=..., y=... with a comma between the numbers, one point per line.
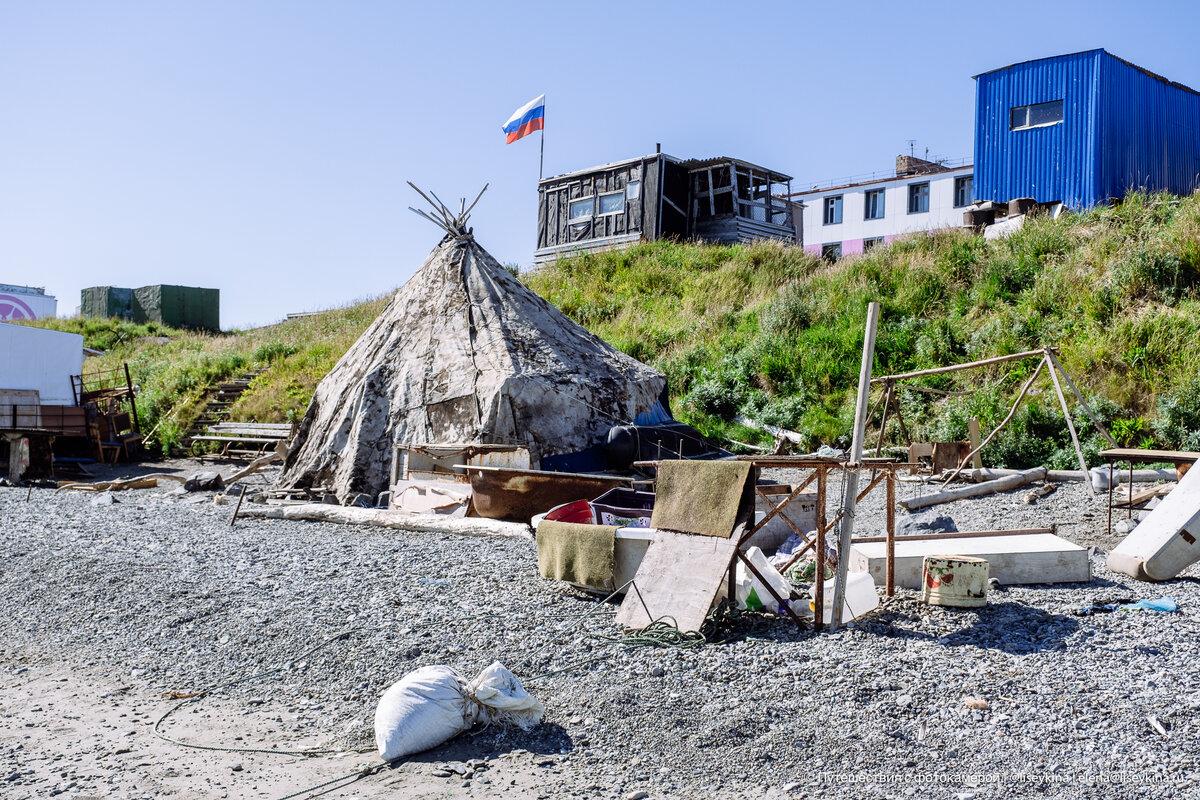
x=957, y=581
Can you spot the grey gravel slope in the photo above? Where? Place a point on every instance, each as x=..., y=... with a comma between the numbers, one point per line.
x=164, y=591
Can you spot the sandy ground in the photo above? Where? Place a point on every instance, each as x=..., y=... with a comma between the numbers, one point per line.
x=80, y=734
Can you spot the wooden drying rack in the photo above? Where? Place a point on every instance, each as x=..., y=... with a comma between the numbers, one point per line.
x=882, y=473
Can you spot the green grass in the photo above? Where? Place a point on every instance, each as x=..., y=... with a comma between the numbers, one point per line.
x=173, y=369
x=767, y=331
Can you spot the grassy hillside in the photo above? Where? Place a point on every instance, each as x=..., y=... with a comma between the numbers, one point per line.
x=174, y=368
x=770, y=332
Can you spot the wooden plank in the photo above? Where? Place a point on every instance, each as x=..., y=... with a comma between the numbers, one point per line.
x=973, y=436
x=238, y=439
x=1146, y=495
x=679, y=578
x=266, y=426
x=1149, y=456
x=263, y=432
x=930, y=537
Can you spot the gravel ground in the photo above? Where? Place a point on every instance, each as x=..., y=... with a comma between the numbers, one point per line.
x=156, y=592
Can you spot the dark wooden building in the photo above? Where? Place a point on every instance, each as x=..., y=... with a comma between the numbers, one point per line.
x=657, y=196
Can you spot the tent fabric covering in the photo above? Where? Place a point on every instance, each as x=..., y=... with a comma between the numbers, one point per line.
x=464, y=353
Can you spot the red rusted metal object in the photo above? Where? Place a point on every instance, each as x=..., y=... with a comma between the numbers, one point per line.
x=519, y=494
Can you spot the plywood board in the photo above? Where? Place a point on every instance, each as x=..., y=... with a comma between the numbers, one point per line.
x=1032, y=558
x=679, y=578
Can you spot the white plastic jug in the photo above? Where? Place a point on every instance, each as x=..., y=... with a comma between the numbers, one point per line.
x=861, y=597
x=751, y=593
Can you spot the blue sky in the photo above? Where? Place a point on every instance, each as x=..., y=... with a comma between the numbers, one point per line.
x=263, y=147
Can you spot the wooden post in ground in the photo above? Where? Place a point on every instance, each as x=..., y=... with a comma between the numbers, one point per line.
x=891, y=533
x=850, y=483
x=973, y=434
x=819, y=573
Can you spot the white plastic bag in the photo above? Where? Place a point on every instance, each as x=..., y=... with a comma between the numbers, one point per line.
x=431, y=705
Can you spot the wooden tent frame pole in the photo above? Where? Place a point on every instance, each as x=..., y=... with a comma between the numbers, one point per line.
x=1062, y=401
x=920, y=373
x=1079, y=398
x=887, y=404
x=1012, y=411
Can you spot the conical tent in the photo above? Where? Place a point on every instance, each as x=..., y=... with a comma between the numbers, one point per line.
x=465, y=353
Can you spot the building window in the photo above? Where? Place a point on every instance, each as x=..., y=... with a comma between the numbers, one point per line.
x=831, y=251
x=581, y=210
x=1037, y=115
x=963, y=189
x=612, y=203
x=873, y=204
x=833, y=210
x=872, y=243
x=633, y=190
x=918, y=198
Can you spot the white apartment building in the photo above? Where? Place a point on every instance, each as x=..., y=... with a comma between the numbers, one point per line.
x=854, y=217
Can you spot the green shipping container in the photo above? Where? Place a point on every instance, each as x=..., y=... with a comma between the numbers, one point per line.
x=106, y=301
x=178, y=306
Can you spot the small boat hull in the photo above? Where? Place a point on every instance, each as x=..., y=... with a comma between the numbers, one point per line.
x=520, y=494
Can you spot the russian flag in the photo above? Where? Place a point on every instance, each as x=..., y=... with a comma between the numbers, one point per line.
x=526, y=119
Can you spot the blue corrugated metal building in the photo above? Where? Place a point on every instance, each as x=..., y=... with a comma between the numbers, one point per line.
x=1083, y=129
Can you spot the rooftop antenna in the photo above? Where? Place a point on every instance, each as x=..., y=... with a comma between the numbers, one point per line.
x=912, y=143
x=453, y=224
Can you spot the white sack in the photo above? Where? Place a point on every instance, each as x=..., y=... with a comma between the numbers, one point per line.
x=431, y=705
x=423, y=709
x=502, y=698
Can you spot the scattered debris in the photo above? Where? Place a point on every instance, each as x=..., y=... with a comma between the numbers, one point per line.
x=1045, y=490
x=123, y=484
x=206, y=481
x=1161, y=605
x=1158, y=726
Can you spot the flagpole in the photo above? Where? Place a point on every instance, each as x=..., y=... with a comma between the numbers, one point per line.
x=542, y=142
